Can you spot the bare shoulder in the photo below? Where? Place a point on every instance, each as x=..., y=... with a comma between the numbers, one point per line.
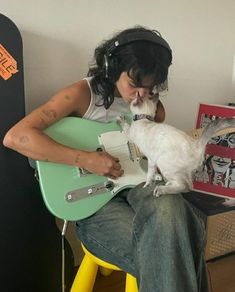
x=72, y=100
x=80, y=96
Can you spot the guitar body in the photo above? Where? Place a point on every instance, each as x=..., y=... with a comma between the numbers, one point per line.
x=69, y=192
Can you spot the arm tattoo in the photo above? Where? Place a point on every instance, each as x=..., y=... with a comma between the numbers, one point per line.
x=24, y=139
x=51, y=114
x=77, y=158
x=67, y=97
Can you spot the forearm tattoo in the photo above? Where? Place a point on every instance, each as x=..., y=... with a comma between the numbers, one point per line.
x=77, y=158
x=67, y=97
x=51, y=114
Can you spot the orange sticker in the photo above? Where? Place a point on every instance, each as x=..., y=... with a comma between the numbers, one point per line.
x=8, y=65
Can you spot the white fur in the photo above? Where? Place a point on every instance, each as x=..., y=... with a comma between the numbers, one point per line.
x=168, y=149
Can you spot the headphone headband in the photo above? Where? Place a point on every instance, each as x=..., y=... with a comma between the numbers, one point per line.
x=153, y=37
x=148, y=36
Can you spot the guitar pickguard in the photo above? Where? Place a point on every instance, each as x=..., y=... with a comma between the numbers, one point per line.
x=117, y=145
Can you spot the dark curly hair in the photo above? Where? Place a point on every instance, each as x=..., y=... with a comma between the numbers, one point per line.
x=138, y=58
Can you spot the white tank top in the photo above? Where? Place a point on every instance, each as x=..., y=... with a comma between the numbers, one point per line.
x=99, y=113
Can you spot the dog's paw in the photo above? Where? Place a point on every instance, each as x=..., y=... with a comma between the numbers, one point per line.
x=148, y=183
x=158, y=191
x=145, y=185
x=120, y=120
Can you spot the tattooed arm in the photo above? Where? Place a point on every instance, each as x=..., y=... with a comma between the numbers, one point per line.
x=27, y=136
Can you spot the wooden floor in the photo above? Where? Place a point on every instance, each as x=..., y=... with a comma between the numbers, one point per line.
x=112, y=283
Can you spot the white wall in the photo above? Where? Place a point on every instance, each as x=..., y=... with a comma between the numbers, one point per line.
x=60, y=36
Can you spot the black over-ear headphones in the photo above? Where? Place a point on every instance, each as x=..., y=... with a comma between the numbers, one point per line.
x=147, y=36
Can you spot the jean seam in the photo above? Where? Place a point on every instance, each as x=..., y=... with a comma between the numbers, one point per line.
x=202, y=243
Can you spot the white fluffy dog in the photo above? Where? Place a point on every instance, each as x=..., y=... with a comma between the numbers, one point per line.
x=171, y=151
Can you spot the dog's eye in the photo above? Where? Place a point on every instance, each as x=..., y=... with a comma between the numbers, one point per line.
x=154, y=97
x=153, y=91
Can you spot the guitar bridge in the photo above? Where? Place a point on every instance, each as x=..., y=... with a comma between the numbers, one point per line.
x=90, y=191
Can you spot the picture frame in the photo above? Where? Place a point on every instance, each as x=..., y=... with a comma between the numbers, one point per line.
x=217, y=175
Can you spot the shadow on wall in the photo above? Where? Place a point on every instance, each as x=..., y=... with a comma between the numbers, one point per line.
x=51, y=64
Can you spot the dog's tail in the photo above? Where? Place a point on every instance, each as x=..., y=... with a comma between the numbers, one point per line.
x=214, y=127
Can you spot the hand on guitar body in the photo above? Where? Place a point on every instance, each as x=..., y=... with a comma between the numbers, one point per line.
x=102, y=163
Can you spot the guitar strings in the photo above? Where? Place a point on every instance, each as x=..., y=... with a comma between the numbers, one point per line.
x=124, y=152
x=120, y=153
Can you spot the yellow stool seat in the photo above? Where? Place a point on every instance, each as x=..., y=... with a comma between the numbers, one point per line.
x=86, y=275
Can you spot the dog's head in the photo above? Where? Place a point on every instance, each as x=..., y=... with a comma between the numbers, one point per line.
x=144, y=105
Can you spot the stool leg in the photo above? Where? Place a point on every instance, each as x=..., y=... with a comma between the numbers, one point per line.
x=86, y=275
x=131, y=284
x=105, y=271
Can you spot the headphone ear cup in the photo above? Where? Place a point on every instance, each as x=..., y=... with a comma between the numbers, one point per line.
x=110, y=67
x=106, y=67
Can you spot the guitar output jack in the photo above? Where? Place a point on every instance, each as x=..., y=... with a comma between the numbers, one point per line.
x=109, y=185
x=99, y=149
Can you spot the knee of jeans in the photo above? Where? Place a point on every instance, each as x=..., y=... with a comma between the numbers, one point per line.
x=166, y=212
x=169, y=205
x=170, y=209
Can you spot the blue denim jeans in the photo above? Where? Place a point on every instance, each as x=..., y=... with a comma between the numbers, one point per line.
x=158, y=240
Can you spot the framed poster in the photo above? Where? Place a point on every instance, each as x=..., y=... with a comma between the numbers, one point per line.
x=217, y=176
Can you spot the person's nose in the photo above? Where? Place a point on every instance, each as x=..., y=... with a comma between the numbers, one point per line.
x=142, y=92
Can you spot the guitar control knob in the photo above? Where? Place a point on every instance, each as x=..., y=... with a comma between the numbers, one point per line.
x=109, y=185
x=99, y=149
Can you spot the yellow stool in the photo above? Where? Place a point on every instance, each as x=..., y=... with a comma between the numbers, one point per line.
x=86, y=275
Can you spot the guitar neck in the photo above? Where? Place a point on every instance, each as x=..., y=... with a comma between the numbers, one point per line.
x=196, y=133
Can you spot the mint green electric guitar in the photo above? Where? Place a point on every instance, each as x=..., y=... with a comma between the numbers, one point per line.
x=72, y=193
